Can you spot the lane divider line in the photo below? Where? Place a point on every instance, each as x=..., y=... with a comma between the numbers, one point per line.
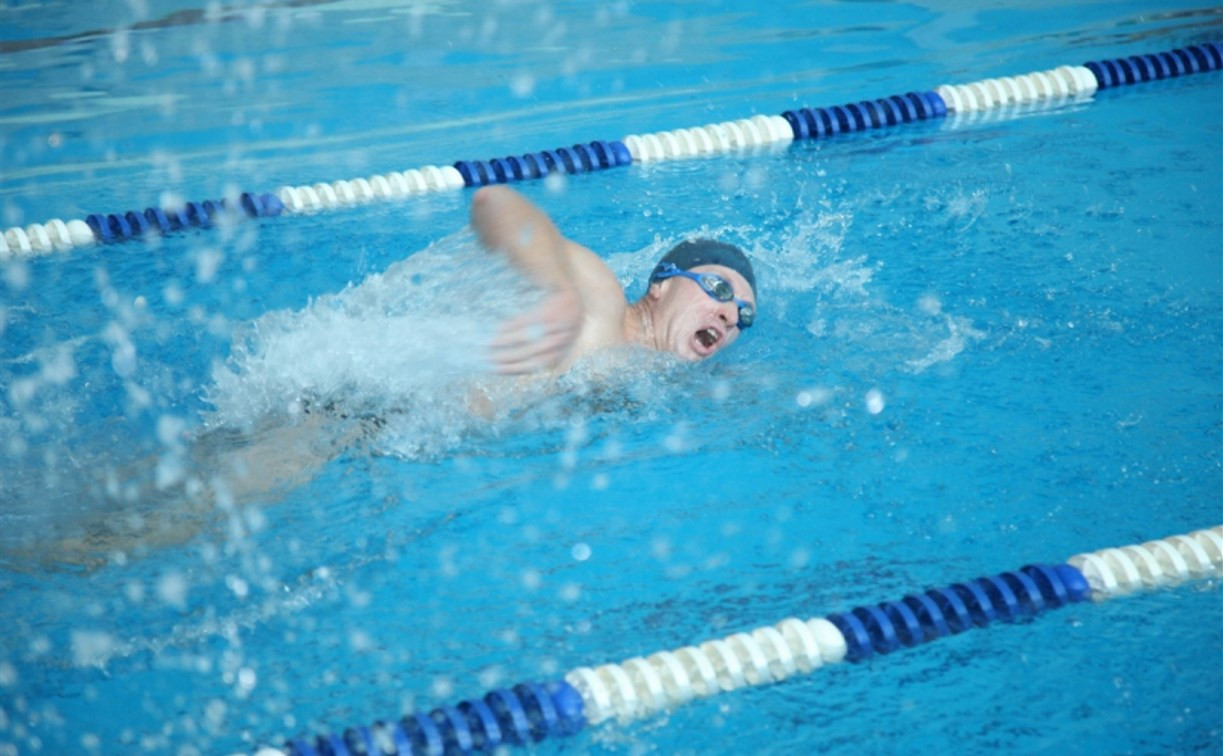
x=644, y=686
x=1041, y=87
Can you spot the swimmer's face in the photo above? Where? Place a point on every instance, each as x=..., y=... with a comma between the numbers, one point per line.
x=693, y=324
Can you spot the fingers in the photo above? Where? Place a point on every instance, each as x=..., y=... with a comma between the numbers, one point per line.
x=541, y=339
x=532, y=343
x=516, y=354
x=529, y=328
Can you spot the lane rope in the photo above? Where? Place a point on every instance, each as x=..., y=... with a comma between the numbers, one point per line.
x=1039, y=88
x=644, y=686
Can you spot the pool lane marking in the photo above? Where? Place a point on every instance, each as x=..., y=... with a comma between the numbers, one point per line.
x=644, y=686
x=1053, y=86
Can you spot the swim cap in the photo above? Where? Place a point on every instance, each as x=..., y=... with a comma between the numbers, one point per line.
x=687, y=255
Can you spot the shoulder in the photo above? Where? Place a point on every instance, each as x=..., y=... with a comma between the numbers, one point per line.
x=602, y=296
x=589, y=270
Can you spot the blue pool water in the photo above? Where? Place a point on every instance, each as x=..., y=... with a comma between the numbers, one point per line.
x=983, y=343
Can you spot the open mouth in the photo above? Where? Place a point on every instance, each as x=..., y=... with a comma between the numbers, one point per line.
x=708, y=337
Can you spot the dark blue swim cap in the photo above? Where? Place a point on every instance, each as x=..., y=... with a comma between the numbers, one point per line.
x=687, y=255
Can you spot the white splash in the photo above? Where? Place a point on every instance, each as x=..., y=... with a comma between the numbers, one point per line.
x=398, y=337
x=960, y=333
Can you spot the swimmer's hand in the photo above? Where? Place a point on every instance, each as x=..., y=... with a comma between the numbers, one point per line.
x=540, y=340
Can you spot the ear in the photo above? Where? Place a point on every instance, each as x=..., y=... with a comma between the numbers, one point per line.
x=655, y=290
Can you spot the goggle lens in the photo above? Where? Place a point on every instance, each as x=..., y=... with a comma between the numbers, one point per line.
x=717, y=287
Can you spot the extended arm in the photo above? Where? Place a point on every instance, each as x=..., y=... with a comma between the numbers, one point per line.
x=541, y=339
x=507, y=223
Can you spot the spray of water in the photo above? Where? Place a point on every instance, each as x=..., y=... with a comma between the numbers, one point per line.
x=402, y=338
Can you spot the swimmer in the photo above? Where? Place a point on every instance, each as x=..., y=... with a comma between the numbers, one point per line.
x=702, y=293
x=701, y=296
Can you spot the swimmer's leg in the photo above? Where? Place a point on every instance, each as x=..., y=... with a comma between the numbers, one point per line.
x=226, y=471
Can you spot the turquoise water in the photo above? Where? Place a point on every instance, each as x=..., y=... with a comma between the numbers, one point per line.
x=981, y=344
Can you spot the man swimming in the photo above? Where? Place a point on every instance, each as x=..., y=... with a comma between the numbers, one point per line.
x=700, y=297
x=702, y=293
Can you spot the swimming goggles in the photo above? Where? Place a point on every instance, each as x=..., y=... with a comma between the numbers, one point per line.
x=713, y=285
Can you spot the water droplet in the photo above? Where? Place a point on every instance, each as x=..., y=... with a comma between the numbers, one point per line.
x=247, y=679
x=91, y=647
x=172, y=589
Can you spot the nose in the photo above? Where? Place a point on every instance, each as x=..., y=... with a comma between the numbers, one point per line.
x=728, y=313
